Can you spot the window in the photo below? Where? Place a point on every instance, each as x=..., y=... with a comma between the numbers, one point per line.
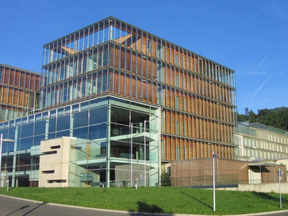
x=40, y=128
x=48, y=172
x=81, y=133
x=80, y=119
x=177, y=127
x=149, y=47
x=63, y=123
x=98, y=116
x=159, y=51
x=176, y=59
x=98, y=131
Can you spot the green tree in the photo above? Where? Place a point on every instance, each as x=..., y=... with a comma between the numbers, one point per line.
x=277, y=117
x=165, y=179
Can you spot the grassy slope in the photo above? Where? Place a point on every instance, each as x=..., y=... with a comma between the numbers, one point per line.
x=165, y=199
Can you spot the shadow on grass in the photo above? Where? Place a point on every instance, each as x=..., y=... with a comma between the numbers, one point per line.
x=146, y=209
x=197, y=200
x=268, y=196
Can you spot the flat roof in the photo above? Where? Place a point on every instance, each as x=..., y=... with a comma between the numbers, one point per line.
x=21, y=69
x=116, y=19
x=262, y=164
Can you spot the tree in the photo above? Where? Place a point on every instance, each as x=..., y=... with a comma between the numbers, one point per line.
x=246, y=111
x=277, y=117
x=165, y=179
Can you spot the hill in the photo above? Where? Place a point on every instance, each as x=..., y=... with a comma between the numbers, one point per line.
x=277, y=117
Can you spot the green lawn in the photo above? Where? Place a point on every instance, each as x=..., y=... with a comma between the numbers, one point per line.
x=164, y=199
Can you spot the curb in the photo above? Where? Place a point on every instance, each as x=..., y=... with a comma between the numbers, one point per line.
x=142, y=213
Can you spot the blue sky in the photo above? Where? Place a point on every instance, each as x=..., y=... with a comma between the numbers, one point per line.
x=250, y=37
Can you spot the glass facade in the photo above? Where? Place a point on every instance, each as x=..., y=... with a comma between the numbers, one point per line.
x=113, y=57
x=173, y=101
x=100, y=123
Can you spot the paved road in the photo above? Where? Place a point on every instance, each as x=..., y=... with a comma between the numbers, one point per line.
x=15, y=207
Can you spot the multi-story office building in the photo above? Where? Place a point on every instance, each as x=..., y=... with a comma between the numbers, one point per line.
x=131, y=100
x=260, y=142
x=18, y=92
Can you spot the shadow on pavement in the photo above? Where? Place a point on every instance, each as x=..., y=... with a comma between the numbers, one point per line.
x=26, y=206
x=23, y=207
x=146, y=209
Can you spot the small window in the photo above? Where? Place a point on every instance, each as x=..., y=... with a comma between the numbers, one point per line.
x=56, y=181
x=55, y=147
x=48, y=172
x=50, y=152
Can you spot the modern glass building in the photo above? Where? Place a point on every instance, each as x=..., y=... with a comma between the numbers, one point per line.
x=108, y=126
x=131, y=100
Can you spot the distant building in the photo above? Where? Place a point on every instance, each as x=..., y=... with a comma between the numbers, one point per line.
x=19, y=92
x=256, y=142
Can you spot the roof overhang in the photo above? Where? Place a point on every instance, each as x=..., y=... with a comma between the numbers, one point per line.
x=262, y=164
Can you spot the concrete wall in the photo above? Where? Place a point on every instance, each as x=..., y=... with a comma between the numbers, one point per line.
x=264, y=188
x=54, y=163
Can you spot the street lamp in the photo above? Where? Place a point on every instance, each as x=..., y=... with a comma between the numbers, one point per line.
x=1, y=147
x=214, y=190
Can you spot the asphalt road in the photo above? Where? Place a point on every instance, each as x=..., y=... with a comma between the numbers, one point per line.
x=15, y=207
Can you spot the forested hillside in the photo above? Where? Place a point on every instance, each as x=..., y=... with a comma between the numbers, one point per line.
x=277, y=117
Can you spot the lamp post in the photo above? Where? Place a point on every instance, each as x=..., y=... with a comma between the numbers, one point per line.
x=1, y=147
x=214, y=190
x=280, y=173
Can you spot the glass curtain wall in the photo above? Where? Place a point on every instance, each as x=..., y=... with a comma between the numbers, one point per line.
x=129, y=154
x=102, y=147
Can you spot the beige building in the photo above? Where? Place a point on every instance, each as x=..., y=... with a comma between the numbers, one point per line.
x=58, y=163
x=256, y=142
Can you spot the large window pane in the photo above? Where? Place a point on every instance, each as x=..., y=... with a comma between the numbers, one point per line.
x=98, y=131
x=27, y=130
x=11, y=133
x=52, y=125
x=80, y=119
x=40, y=127
x=63, y=123
x=81, y=133
x=38, y=139
x=98, y=115
x=25, y=144
x=63, y=133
